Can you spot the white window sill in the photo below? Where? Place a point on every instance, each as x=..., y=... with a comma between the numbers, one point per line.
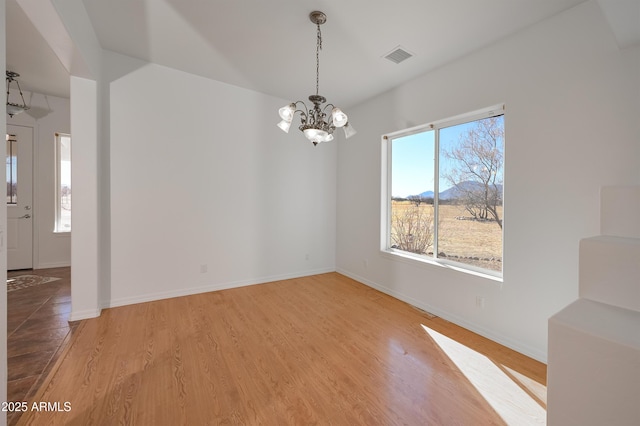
x=428, y=262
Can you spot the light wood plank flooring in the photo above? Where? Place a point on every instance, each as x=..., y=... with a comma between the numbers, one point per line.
x=316, y=350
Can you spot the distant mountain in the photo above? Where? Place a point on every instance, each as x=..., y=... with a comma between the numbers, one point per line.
x=455, y=191
x=426, y=194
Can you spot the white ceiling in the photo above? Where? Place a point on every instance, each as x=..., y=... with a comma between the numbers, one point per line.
x=269, y=46
x=30, y=55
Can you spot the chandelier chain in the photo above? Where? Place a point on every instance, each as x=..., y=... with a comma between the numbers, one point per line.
x=318, y=47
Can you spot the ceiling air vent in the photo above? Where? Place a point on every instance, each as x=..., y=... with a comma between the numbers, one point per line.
x=398, y=54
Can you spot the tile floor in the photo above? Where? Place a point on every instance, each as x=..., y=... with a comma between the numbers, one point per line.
x=37, y=332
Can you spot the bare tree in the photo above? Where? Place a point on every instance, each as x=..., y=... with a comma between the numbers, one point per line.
x=412, y=228
x=418, y=199
x=476, y=170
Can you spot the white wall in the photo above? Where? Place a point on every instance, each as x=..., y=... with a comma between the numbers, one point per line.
x=80, y=52
x=85, y=280
x=201, y=178
x=3, y=250
x=47, y=115
x=572, y=107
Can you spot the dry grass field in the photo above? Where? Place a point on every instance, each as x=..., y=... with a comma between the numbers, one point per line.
x=472, y=242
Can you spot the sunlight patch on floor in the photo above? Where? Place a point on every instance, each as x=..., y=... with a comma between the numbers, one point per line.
x=512, y=395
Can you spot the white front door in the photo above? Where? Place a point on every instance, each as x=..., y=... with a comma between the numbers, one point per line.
x=19, y=197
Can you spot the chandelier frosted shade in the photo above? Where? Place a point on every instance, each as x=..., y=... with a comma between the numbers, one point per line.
x=339, y=118
x=287, y=111
x=348, y=130
x=285, y=125
x=13, y=109
x=317, y=135
x=318, y=121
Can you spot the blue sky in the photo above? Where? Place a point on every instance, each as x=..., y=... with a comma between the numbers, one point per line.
x=412, y=162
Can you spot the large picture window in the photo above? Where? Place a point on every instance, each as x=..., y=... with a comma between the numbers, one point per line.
x=444, y=191
x=63, y=183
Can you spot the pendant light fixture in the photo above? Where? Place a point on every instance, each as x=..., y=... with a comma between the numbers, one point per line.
x=315, y=123
x=13, y=108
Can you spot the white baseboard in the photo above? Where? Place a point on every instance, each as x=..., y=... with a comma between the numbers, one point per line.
x=489, y=334
x=52, y=265
x=150, y=297
x=86, y=314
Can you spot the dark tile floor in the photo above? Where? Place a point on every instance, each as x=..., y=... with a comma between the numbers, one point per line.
x=37, y=332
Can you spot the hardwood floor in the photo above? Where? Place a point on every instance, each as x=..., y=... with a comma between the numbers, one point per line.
x=316, y=350
x=37, y=330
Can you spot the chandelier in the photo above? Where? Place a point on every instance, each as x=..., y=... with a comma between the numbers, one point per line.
x=315, y=123
x=13, y=108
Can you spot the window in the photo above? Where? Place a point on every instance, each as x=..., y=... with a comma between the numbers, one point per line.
x=63, y=183
x=444, y=191
x=12, y=169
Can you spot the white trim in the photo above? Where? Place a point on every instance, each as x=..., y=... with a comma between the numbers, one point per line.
x=47, y=265
x=455, y=319
x=428, y=261
x=35, y=206
x=57, y=178
x=478, y=114
x=86, y=314
x=385, y=185
x=151, y=297
x=386, y=193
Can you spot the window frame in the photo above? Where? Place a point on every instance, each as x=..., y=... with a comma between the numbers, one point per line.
x=58, y=180
x=386, y=194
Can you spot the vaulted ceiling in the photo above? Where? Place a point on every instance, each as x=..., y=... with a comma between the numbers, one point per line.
x=269, y=46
